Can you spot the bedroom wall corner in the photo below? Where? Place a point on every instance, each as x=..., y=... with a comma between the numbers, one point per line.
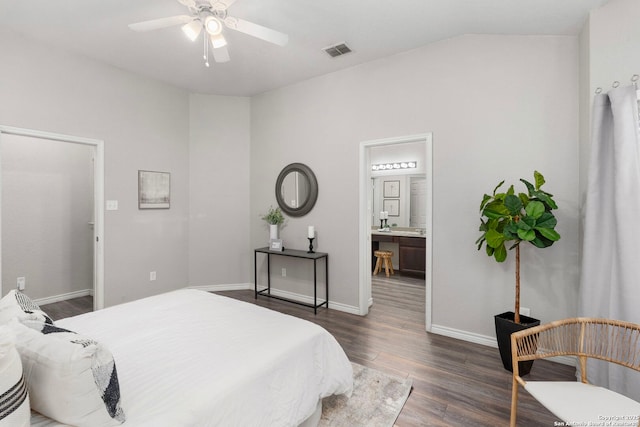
x=219, y=137
x=144, y=125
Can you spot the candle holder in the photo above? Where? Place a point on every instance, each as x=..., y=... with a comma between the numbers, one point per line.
x=310, y=251
x=381, y=222
x=385, y=223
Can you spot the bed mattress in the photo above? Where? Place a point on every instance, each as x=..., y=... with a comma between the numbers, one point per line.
x=192, y=358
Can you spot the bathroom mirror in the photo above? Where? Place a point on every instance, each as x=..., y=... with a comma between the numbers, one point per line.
x=402, y=196
x=296, y=189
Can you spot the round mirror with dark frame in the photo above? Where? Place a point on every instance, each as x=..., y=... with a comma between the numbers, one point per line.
x=296, y=189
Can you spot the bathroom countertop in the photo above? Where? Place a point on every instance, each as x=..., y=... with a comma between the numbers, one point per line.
x=400, y=233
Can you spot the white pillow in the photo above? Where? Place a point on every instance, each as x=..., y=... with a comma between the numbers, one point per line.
x=14, y=399
x=71, y=378
x=15, y=304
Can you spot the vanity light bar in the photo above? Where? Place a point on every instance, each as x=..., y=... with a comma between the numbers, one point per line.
x=397, y=165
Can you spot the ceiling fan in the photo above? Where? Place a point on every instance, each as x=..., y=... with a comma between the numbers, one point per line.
x=210, y=15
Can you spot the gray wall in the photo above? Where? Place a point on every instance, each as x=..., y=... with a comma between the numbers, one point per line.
x=145, y=125
x=47, y=200
x=498, y=106
x=613, y=43
x=219, y=191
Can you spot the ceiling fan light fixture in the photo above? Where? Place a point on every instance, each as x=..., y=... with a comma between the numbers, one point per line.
x=212, y=25
x=192, y=29
x=211, y=15
x=218, y=41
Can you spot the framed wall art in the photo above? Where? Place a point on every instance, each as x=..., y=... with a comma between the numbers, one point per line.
x=154, y=190
x=391, y=189
x=392, y=206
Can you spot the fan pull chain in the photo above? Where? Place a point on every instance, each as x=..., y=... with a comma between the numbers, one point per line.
x=206, y=51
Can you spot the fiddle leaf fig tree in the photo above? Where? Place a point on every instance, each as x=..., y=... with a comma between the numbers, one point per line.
x=507, y=217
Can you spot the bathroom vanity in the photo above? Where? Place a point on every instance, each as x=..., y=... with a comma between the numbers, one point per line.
x=408, y=246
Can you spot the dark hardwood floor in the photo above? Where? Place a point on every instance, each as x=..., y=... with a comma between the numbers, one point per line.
x=455, y=383
x=68, y=308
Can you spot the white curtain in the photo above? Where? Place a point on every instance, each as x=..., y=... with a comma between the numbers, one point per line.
x=610, y=277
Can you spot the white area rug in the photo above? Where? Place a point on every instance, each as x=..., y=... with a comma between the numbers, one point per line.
x=376, y=401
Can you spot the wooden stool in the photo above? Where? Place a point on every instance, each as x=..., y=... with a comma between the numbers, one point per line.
x=383, y=256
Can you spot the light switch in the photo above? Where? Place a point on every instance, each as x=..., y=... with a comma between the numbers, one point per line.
x=112, y=205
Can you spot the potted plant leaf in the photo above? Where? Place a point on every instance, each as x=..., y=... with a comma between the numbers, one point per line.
x=510, y=218
x=274, y=218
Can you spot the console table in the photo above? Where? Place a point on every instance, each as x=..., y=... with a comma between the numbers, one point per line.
x=294, y=254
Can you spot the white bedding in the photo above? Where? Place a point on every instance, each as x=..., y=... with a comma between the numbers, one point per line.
x=191, y=358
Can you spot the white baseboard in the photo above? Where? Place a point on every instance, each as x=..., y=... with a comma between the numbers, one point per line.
x=309, y=300
x=63, y=297
x=488, y=341
x=464, y=335
x=351, y=309
x=284, y=294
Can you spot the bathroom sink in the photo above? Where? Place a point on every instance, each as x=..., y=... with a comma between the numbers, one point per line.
x=405, y=233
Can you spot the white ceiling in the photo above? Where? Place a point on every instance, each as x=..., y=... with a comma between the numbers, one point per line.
x=372, y=28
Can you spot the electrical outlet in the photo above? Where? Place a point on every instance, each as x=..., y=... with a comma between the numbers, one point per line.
x=284, y=272
x=21, y=283
x=525, y=311
x=152, y=276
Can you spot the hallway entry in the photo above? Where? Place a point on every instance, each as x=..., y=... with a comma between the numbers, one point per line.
x=405, y=199
x=50, y=245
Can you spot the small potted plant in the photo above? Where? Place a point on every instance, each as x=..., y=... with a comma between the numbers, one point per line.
x=516, y=218
x=274, y=218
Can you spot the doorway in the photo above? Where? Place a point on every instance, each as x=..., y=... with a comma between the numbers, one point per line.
x=367, y=215
x=39, y=228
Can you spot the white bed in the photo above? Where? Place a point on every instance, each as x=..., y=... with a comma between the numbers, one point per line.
x=192, y=358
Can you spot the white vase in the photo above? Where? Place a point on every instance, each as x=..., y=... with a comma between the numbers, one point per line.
x=273, y=231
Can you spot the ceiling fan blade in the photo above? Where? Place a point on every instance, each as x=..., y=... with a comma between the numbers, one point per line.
x=221, y=4
x=255, y=30
x=221, y=54
x=156, y=24
x=188, y=3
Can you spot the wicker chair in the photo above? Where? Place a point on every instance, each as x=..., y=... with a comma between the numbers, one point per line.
x=579, y=403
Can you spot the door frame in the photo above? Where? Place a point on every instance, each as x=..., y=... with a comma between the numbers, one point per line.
x=98, y=191
x=365, y=299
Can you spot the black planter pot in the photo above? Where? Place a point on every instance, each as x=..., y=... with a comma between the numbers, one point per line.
x=505, y=326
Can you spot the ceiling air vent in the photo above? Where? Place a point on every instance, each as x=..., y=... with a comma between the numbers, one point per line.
x=337, y=50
